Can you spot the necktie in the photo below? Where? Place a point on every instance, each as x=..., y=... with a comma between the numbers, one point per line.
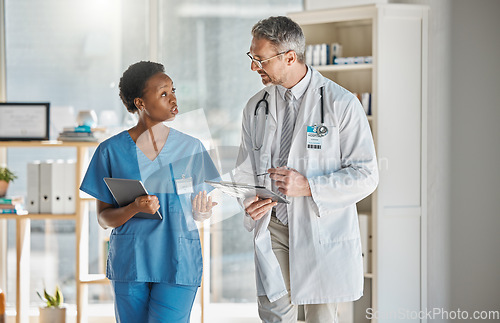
x=285, y=143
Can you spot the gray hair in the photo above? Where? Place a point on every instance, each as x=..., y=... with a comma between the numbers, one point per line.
x=284, y=33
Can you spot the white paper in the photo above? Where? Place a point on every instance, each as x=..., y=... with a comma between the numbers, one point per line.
x=23, y=121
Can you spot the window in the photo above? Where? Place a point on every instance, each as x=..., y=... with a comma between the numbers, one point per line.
x=72, y=54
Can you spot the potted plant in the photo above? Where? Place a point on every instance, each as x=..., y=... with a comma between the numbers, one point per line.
x=6, y=176
x=53, y=310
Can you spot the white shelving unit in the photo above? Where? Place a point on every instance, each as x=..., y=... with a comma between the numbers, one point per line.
x=395, y=35
x=23, y=231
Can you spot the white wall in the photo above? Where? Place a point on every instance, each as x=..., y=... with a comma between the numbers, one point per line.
x=475, y=155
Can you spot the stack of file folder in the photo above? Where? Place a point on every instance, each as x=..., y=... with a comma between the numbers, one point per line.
x=51, y=187
x=81, y=133
x=12, y=205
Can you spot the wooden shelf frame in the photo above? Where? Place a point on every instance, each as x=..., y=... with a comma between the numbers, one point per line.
x=23, y=234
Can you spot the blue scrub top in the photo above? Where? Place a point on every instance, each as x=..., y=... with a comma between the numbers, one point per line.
x=145, y=250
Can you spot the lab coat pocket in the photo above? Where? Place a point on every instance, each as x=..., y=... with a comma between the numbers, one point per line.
x=323, y=153
x=121, y=263
x=341, y=225
x=189, y=262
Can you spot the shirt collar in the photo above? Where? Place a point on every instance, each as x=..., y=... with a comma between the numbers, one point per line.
x=298, y=89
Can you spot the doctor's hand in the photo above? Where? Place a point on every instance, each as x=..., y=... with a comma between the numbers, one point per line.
x=202, y=206
x=256, y=208
x=147, y=204
x=290, y=182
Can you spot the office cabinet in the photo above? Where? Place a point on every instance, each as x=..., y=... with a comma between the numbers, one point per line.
x=81, y=228
x=395, y=37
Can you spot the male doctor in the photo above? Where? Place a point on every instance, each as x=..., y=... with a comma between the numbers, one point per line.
x=309, y=251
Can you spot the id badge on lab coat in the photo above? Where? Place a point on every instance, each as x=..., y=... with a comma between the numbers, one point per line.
x=313, y=140
x=184, y=185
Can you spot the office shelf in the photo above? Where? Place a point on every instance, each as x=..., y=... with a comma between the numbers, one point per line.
x=395, y=35
x=39, y=216
x=23, y=232
x=94, y=279
x=343, y=67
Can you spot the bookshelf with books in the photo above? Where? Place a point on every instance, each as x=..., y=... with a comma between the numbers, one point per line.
x=12, y=205
x=392, y=87
x=23, y=232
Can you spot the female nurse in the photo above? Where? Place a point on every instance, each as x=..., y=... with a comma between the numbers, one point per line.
x=155, y=266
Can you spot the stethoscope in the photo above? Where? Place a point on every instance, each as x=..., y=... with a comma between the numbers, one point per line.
x=321, y=130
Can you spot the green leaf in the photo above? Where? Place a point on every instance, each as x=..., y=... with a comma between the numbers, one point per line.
x=50, y=300
x=59, y=296
x=6, y=175
x=40, y=296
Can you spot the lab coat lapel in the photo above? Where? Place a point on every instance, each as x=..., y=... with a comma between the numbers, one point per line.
x=271, y=90
x=270, y=281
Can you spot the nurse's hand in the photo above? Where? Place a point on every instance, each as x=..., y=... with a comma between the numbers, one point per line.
x=256, y=208
x=147, y=204
x=290, y=182
x=202, y=206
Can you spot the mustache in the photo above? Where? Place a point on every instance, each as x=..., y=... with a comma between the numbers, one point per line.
x=263, y=72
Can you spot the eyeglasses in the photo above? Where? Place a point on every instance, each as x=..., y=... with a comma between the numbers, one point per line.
x=259, y=62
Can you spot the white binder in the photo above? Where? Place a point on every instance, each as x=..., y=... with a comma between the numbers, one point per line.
x=365, y=232
x=52, y=187
x=33, y=187
x=366, y=102
x=324, y=53
x=46, y=186
x=69, y=187
x=58, y=187
x=317, y=54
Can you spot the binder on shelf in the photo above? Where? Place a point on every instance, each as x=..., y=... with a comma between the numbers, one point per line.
x=58, y=178
x=336, y=51
x=45, y=187
x=33, y=187
x=365, y=232
x=366, y=102
x=52, y=187
x=69, y=187
x=317, y=54
x=324, y=54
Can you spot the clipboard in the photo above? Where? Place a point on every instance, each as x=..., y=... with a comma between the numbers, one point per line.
x=125, y=191
x=245, y=190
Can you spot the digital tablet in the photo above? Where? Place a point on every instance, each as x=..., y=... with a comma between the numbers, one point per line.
x=244, y=190
x=125, y=191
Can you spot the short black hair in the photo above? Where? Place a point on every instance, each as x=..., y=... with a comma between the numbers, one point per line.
x=134, y=80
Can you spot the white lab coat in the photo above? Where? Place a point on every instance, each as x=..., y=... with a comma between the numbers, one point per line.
x=325, y=248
